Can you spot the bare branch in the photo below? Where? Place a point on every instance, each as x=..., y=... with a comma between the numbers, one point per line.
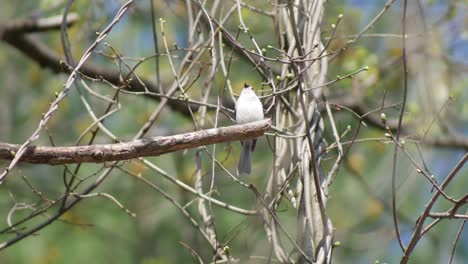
x=32, y=25
x=136, y=148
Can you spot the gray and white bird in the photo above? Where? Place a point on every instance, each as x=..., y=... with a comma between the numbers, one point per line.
x=248, y=109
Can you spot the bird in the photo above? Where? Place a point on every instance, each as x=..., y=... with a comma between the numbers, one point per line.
x=249, y=109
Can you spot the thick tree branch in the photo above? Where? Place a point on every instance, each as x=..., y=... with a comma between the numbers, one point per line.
x=136, y=148
x=458, y=141
x=453, y=141
x=31, y=25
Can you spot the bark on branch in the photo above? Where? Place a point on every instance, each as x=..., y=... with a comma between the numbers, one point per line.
x=32, y=25
x=154, y=146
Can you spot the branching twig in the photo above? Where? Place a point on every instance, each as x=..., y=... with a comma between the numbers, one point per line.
x=54, y=105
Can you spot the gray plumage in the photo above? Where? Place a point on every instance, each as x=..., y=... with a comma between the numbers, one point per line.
x=248, y=109
x=244, y=165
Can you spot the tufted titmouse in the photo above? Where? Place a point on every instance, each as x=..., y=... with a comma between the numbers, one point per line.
x=248, y=109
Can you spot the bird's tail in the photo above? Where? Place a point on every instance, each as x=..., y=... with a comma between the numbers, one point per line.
x=244, y=161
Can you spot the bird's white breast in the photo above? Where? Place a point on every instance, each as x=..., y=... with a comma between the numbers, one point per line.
x=248, y=108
